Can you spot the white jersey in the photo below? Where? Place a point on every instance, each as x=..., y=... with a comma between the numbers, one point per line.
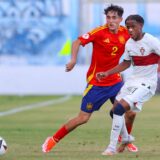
x=144, y=55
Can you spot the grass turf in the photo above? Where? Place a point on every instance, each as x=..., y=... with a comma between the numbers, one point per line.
x=24, y=132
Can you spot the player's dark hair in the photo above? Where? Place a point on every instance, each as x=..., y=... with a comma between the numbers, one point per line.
x=114, y=8
x=136, y=18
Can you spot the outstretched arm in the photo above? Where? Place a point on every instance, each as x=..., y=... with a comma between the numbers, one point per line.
x=74, y=52
x=119, y=68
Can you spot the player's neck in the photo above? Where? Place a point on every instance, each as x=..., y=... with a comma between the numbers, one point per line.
x=140, y=36
x=113, y=31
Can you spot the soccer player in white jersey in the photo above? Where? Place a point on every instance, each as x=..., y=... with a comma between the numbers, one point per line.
x=142, y=51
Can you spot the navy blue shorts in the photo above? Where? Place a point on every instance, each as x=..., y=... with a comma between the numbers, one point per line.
x=96, y=96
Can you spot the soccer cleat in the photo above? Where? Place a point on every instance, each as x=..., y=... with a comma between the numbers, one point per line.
x=109, y=152
x=132, y=148
x=48, y=144
x=127, y=143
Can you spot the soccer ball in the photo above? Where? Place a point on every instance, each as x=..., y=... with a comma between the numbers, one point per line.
x=3, y=146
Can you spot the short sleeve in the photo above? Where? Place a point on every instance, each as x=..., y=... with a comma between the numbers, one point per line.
x=86, y=38
x=156, y=45
x=126, y=55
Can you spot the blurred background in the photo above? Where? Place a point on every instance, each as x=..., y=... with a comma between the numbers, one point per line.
x=36, y=37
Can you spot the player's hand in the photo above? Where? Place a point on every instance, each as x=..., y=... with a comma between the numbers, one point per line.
x=101, y=75
x=70, y=65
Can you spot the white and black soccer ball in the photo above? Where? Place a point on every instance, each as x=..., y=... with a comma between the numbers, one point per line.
x=3, y=146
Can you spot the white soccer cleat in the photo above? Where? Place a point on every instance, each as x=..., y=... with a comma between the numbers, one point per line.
x=109, y=152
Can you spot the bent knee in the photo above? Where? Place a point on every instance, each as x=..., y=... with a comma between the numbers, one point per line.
x=81, y=119
x=84, y=119
x=130, y=115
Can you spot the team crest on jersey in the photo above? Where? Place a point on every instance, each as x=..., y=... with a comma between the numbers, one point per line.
x=107, y=40
x=89, y=106
x=85, y=36
x=142, y=50
x=121, y=39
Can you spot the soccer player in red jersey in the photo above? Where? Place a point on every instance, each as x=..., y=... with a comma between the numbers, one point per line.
x=108, y=46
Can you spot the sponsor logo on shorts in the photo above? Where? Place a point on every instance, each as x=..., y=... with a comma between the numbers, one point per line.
x=89, y=106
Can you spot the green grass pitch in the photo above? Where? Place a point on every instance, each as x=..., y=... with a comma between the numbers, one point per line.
x=25, y=131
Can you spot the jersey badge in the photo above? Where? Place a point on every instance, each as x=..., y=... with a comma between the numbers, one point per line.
x=142, y=50
x=85, y=36
x=121, y=39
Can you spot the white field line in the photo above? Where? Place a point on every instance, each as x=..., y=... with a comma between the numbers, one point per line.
x=35, y=105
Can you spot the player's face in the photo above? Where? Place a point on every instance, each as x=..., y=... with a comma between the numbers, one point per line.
x=113, y=20
x=134, y=29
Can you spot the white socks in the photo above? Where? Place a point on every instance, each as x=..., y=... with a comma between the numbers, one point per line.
x=124, y=132
x=117, y=125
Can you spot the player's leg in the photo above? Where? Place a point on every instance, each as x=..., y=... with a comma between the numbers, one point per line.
x=131, y=97
x=93, y=99
x=130, y=117
x=140, y=93
x=80, y=119
x=118, y=122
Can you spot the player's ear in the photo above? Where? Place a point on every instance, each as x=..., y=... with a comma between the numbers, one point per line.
x=141, y=25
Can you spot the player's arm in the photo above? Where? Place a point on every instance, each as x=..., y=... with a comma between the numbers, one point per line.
x=119, y=68
x=74, y=52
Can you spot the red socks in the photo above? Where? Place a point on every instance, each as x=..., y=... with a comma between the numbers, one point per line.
x=129, y=128
x=60, y=133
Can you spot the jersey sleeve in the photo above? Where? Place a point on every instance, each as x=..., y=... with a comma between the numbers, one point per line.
x=89, y=37
x=126, y=55
x=86, y=38
x=156, y=45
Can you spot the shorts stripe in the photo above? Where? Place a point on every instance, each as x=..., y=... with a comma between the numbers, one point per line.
x=89, y=87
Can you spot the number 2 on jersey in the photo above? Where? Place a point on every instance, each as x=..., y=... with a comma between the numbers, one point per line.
x=114, y=50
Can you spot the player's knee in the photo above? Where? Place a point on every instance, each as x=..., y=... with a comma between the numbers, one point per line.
x=119, y=110
x=111, y=113
x=83, y=119
x=131, y=115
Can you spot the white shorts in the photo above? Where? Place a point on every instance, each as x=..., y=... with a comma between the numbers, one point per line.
x=135, y=94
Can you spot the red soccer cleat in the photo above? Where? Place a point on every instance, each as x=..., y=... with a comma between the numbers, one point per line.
x=48, y=144
x=132, y=148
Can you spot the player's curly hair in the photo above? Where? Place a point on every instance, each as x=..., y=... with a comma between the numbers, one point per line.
x=135, y=17
x=114, y=8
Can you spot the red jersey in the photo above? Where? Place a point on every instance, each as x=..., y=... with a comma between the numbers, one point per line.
x=107, y=50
